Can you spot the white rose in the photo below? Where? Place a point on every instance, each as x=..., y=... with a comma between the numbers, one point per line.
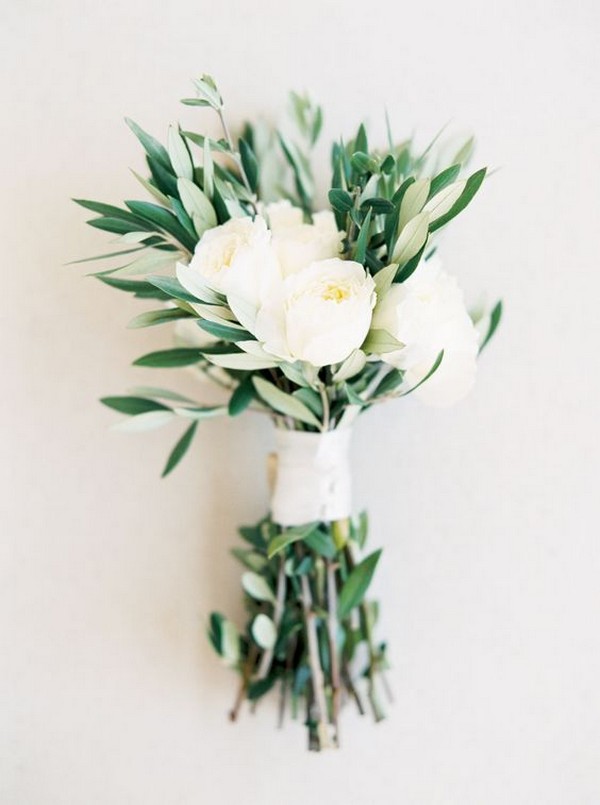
x=427, y=313
x=237, y=259
x=296, y=243
x=319, y=314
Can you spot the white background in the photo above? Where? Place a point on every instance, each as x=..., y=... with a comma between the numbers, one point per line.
x=488, y=512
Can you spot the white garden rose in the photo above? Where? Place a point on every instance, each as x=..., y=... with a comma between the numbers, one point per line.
x=427, y=314
x=237, y=259
x=320, y=314
x=296, y=243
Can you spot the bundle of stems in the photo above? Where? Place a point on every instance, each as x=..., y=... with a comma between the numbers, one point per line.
x=310, y=629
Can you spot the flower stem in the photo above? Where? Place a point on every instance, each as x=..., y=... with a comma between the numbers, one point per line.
x=317, y=676
x=334, y=659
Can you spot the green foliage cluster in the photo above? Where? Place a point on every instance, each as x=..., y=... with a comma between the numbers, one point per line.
x=304, y=585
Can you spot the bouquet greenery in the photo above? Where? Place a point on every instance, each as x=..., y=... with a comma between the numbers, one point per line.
x=309, y=317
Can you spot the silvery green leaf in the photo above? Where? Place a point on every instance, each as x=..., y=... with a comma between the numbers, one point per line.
x=264, y=631
x=380, y=342
x=148, y=263
x=257, y=587
x=230, y=198
x=250, y=559
x=370, y=189
x=179, y=154
x=412, y=239
x=197, y=205
x=153, y=317
x=465, y=152
x=284, y=403
x=219, y=314
x=207, y=89
x=243, y=310
x=241, y=361
x=494, y=320
x=201, y=412
x=413, y=201
x=384, y=279
x=161, y=394
x=255, y=349
x=193, y=282
x=351, y=366
x=208, y=169
x=434, y=368
x=443, y=201
x=230, y=642
x=142, y=422
x=293, y=371
x=137, y=237
x=154, y=191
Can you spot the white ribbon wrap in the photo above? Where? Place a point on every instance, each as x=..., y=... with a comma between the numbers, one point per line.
x=313, y=479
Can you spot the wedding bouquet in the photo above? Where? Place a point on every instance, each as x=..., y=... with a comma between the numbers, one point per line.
x=310, y=317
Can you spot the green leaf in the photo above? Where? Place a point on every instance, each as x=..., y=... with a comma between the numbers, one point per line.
x=444, y=200
x=139, y=288
x=412, y=238
x=167, y=358
x=208, y=170
x=289, y=536
x=199, y=139
x=263, y=631
x=380, y=342
x=132, y=406
x=360, y=248
x=249, y=164
x=224, y=638
x=239, y=361
x=201, y=411
x=197, y=205
x=251, y=559
x=284, y=403
x=320, y=542
x=146, y=421
x=311, y=399
x=164, y=220
x=151, y=146
x=152, y=317
x=384, y=279
x=171, y=288
x=443, y=179
x=163, y=394
x=413, y=202
x=361, y=143
x=362, y=529
x=391, y=381
x=356, y=585
x=495, y=318
x=433, y=369
x=154, y=191
x=162, y=177
x=380, y=206
x=353, y=397
x=260, y=687
x=465, y=151
x=340, y=200
x=257, y=587
x=353, y=364
x=224, y=332
x=241, y=397
x=180, y=449
x=117, y=226
x=179, y=154
x=473, y=184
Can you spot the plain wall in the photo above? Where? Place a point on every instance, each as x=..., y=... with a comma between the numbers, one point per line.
x=487, y=512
